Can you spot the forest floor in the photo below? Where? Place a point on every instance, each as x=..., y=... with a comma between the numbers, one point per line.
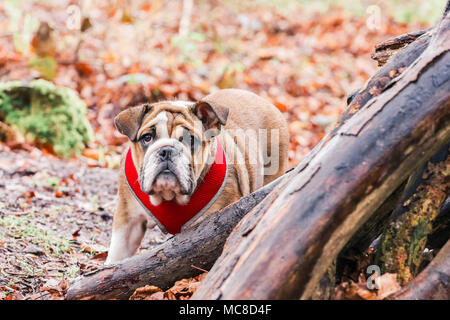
x=55, y=222
x=56, y=214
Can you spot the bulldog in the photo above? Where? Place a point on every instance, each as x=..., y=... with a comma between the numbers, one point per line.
x=187, y=160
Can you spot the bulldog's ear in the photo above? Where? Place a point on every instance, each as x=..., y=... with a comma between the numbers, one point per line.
x=211, y=113
x=129, y=120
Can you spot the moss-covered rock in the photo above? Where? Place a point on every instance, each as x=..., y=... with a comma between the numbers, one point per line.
x=45, y=112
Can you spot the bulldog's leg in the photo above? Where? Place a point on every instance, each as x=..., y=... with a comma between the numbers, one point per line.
x=129, y=226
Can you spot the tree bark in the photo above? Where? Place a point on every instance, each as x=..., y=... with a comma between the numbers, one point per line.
x=385, y=77
x=389, y=48
x=325, y=288
x=356, y=101
x=286, y=253
x=171, y=261
x=437, y=232
x=374, y=227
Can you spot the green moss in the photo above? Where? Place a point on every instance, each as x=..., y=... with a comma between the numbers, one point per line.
x=21, y=228
x=48, y=113
x=404, y=239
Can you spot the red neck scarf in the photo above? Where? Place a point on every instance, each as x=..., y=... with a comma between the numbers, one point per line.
x=171, y=216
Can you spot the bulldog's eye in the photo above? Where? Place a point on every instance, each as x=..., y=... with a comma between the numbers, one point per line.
x=147, y=138
x=193, y=143
x=189, y=140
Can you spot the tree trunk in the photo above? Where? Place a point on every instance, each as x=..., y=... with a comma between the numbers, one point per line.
x=325, y=288
x=286, y=253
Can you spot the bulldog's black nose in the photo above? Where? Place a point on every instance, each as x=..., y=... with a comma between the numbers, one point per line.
x=165, y=153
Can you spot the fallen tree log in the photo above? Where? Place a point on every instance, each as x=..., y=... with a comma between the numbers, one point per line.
x=389, y=48
x=356, y=101
x=173, y=260
x=433, y=283
x=286, y=253
x=384, y=78
x=435, y=234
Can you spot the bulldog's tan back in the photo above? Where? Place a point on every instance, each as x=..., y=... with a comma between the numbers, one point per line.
x=250, y=111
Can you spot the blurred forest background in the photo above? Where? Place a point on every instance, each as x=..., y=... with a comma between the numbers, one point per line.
x=87, y=60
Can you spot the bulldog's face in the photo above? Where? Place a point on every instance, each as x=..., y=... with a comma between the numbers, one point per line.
x=171, y=145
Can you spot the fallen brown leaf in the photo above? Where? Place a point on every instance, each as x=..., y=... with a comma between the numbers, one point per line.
x=144, y=293
x=59, y=194
x=387, y=285
x=91, y=153
x=100, y=256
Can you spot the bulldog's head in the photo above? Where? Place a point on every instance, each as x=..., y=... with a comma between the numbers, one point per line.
x=171, y=145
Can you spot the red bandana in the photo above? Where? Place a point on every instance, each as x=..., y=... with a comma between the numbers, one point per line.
x=171, y=216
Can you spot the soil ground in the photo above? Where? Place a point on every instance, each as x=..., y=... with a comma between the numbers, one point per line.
x=55, y=222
